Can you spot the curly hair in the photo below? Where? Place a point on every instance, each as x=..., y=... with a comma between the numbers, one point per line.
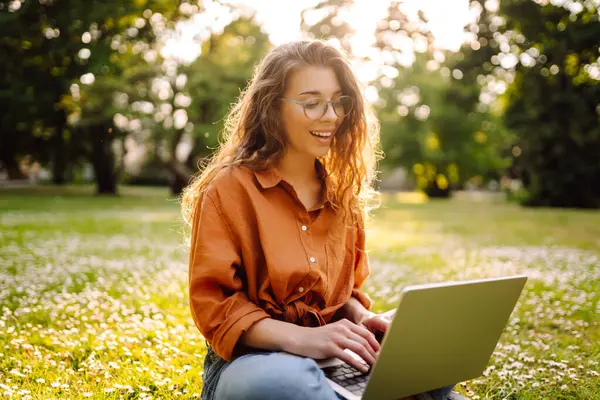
x=253, y=135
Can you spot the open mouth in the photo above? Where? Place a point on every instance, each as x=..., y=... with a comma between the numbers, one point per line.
x=322, y=134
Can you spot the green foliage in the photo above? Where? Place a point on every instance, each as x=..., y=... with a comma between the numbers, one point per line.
x=80, y=76
x=553, y=105
x=218, y=76
x=50, y=45
x=176, y=102
x=430, y=123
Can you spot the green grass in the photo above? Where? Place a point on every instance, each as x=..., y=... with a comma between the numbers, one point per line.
x=93, y=291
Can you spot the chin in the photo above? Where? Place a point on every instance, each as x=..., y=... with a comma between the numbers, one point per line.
x=320, y=153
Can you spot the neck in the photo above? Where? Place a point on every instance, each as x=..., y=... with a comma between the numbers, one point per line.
x=295, y=167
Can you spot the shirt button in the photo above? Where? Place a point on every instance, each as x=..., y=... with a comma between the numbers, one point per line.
x=312, y=259
x=304, y=228
x=301, y=289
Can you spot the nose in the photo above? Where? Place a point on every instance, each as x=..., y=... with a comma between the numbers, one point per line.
x=330, y=114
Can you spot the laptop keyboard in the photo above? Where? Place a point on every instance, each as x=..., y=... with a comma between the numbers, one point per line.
x=348, y=377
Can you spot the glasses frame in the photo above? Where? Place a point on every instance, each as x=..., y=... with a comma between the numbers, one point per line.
x=303, y=103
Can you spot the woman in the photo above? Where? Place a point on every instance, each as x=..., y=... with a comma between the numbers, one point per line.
x=278, y=244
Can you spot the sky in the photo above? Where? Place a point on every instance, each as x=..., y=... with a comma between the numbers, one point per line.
x=281, y=21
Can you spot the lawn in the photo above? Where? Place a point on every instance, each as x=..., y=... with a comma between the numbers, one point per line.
x=93, y=291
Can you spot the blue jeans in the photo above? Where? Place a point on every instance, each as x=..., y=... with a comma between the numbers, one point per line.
x=272, y=375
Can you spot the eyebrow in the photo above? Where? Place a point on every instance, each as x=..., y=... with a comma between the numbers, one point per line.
x=317, y=92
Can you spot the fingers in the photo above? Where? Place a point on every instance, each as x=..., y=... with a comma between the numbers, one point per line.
x=378, y=324
x=389, y=314
x=359, y=346
x=366, y=334
x=360, y=341
x=348, y=359
x=363, y=347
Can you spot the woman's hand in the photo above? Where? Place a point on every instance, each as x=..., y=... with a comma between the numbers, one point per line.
x=378, y=324
x=332, y=339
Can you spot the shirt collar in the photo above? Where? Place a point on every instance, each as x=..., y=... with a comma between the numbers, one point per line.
x=270, y=177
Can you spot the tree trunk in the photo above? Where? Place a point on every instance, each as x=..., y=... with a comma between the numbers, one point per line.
x=180, y=176
x=103, y=159
x=7, y=157
x=59, y=153
x=121, y=164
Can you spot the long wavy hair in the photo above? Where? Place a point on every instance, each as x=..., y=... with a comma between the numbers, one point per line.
x=253, y=133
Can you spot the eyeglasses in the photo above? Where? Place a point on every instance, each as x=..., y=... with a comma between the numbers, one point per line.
x=316, y=107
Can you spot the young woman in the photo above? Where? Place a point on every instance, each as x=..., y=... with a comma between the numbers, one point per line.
x=277, y=253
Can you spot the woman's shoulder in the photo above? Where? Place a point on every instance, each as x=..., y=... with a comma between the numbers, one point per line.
x=230, y=181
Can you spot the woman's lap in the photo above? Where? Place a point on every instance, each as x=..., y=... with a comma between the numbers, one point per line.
x=273, y=375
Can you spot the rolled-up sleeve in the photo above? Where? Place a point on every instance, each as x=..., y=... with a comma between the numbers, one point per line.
x=220, y=307
x=362, y=269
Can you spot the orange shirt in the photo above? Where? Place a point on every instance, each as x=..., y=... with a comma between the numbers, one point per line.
x=256, y=252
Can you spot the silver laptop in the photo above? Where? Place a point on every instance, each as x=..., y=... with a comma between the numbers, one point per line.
x=441, y=334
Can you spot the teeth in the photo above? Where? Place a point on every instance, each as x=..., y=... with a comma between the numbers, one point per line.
x=321, y=134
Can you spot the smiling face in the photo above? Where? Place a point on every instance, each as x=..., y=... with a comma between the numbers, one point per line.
x=304, y=136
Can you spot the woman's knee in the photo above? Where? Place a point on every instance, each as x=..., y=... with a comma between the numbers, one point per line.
x=273, y=376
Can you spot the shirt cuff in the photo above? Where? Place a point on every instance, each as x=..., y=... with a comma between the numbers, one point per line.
x=226, y=338
x=363, y=298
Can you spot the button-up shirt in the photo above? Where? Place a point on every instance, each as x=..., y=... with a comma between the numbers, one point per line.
x=257, y=252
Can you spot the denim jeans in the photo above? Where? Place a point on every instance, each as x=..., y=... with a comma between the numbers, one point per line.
x=272, y=375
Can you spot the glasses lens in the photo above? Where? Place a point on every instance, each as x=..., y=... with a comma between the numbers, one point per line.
x=343, y=106
x=315, y=108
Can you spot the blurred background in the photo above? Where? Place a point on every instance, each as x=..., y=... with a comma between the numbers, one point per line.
x=472, y=95
x=479, y=102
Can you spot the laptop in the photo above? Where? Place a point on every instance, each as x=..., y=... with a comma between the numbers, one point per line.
x=441, y=334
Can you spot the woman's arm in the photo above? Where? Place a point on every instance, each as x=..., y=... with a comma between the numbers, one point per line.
x=354, y=311
x=378, y=324
x=220, y=307
x=323, y=342
x=270, y=334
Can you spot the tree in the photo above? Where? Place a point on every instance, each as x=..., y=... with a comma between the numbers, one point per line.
x=553, y=102
x=187, y=104
x=430, y=121
x=431, y=126
x=216, y=79
x=30, y=75
x=51, y=45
